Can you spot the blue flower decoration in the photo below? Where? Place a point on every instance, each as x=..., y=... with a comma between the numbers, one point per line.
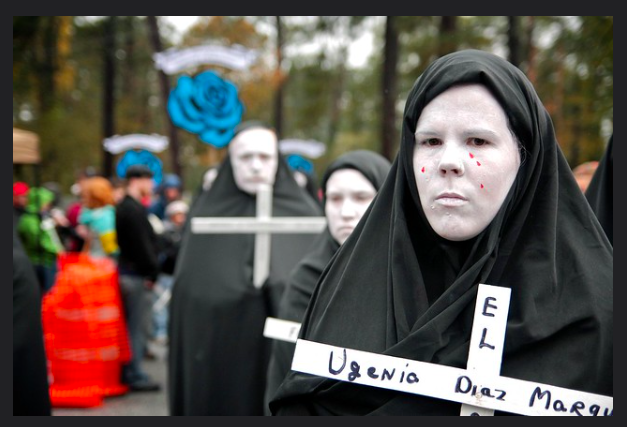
x=141, y=157
x=206, y=105
x=299, y=163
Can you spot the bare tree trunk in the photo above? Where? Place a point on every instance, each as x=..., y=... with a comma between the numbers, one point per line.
x=336, y=99
x=575, y=143
x=155, y=38
x=514, y=41
x=560, y=89
x=531, y=51
x=389, y=89
x=129, y=46
x=49, y=64
x=109, y=91
x=448, y=28
x=278, y=99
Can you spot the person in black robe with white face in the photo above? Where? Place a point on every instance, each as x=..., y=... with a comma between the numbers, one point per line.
x=600, y=192
x=349, y=185
x=218, y=355
x=407, y=279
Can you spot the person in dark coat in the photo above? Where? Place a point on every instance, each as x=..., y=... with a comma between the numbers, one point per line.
x=30, y=372
x=138, y=269
x=169, y=245
x=217, y=353
x=480, y=192
x=349, y=185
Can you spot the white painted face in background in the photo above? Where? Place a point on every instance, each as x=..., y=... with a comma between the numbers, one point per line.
x=465, y=161
x=348, y=195
x=254, y=156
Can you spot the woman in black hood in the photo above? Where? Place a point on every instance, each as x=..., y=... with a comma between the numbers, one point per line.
x=405, y=283
x=373, y=168
x=218, y=356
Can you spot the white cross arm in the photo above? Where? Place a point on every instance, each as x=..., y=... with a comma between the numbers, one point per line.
x=479, y=388
x=263, y=225
x=252, y=225
x=279, y=329
x=444, y=382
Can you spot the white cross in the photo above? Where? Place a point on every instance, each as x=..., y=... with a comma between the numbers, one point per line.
x=263, y=226
x=486, y=350
x=485, y=353
x=479, y=388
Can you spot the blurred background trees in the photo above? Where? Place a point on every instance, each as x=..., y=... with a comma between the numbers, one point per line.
x=77, y=79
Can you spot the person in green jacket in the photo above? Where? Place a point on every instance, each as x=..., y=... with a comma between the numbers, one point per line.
x=38, y=234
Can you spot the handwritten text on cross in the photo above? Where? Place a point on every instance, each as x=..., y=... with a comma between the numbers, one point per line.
x=466, y=386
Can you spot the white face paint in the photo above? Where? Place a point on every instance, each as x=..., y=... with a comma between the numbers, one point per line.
x=254, y=157
x=348, y=195
x=465, y=161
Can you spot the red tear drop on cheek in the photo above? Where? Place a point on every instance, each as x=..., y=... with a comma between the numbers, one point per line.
x=472, y=156
x=423, y=169
x=478, y=164
x=482, y=186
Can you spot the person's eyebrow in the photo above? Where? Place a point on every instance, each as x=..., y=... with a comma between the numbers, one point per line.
x=480, y=132
x=467, y=133
x=426, y=132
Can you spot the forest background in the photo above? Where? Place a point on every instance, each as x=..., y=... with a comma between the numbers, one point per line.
x=341, y=80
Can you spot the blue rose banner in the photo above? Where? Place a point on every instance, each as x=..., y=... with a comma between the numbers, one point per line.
x=298, y=163
x=206, y=105
x=141, y=157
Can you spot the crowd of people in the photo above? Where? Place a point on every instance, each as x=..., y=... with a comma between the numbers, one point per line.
x=134, y=225
x=479, y=192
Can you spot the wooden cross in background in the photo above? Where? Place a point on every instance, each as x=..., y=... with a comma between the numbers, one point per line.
x=262, y=226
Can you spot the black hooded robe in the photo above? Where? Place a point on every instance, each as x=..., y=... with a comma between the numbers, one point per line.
x=218, y=356
x=396, y=288
x=304, y=277
x=600, y=192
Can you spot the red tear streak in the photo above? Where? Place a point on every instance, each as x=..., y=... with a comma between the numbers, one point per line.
x=471, y=155
x=481, y=185
x=423, y=169
x=478, y=164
